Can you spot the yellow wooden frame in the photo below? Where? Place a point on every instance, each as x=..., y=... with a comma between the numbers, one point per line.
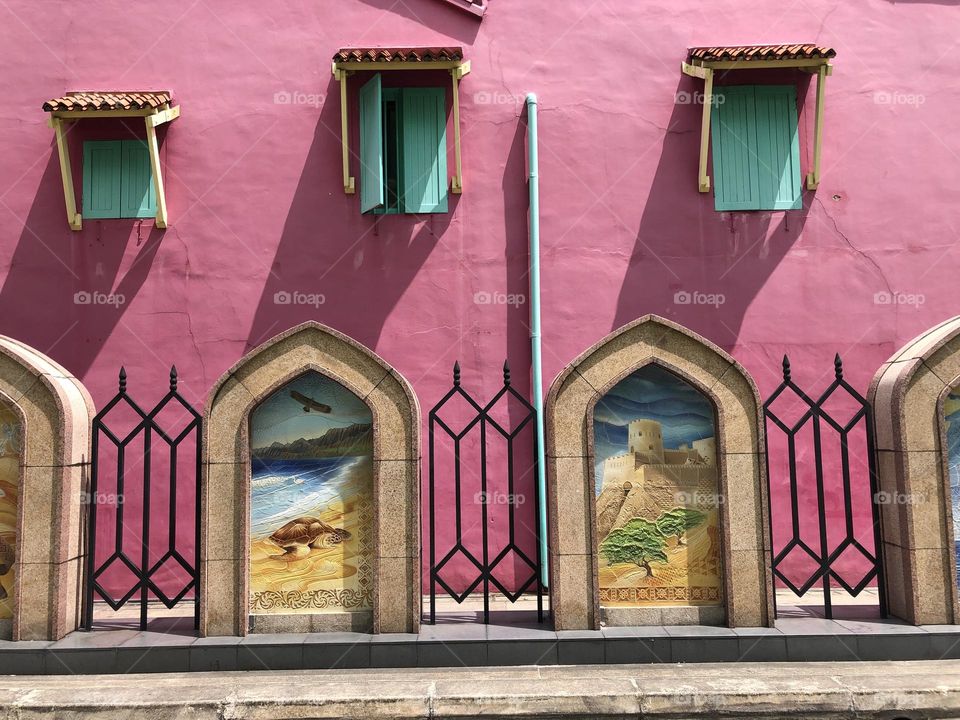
x=457, y=69
x=152, y=118
x=704, y=69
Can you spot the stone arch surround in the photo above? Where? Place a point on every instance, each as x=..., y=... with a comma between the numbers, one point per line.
x=226, y=484
x=748, y=588
x=907, y=395
x=55, y=412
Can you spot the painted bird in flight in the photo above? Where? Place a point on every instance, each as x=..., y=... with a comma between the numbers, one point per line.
x=310, y=404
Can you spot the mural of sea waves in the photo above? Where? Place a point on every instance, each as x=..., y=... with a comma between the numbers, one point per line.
x=311, y=504
x=657, y=497
x=951, y=411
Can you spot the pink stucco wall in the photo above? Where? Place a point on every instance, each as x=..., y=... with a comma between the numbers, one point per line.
x=256, y=205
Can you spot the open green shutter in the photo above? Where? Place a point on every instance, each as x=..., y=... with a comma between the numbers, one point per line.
x=778, y=147
x=424, y=150
x=371, y=145
x=101, y=178
x=137, y=195
x=735, y=166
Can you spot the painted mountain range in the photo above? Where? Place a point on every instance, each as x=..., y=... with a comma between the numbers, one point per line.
x=356, y=439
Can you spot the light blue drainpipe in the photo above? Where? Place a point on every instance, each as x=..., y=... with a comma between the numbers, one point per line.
x=533, y=183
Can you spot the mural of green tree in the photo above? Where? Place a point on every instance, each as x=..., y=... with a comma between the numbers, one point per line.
x=638, y=542
x=678, y=521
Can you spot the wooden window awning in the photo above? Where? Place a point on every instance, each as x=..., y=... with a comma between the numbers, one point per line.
x=155, y=107
x=347, y=61
x=703, y=62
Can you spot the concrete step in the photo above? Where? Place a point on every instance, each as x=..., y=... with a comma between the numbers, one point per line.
x=826, y=691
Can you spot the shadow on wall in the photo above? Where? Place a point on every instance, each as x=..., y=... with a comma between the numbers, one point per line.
x=351, y=272
x=61, y=282
x=699, y=267
x=438, y=16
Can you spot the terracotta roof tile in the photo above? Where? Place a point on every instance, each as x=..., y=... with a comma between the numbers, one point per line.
x=408, y=54
x=113, y=100
x=746, y=53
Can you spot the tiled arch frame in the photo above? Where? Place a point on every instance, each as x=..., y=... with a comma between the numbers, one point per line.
x=907, y=395
x=55, y=411
x=225, y=527
x=748, y=588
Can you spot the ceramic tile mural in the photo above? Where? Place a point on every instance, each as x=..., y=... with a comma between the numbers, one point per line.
x=10, y=434
x=311, y=524
x=951, y=410
x=657, y=501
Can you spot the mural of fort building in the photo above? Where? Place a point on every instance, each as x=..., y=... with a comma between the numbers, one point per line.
x=658, y=520
x=649, y=479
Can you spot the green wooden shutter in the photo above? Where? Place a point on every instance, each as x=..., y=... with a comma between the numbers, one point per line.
x=137, y=195
x=735, y=167
x=101, y=178
x=371, y=145
x=778, y=147
x=424, y=150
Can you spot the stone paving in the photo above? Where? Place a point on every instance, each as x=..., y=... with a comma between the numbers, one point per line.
x=825, y=691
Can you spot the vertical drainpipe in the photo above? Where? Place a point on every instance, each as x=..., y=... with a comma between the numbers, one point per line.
x=533, y=184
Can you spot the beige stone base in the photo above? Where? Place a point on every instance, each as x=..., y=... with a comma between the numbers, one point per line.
x=668, y=615
x=312, y=622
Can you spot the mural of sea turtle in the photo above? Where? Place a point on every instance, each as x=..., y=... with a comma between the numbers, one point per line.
x=301, y=534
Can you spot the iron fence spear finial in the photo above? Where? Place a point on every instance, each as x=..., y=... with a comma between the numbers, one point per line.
x=173, y=378
x=456, y=373
x=786, y=369
x=506, y=372
x=123, y=379
x=838, y=366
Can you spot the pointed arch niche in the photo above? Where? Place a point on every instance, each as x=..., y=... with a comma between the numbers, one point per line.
x=304, y=360
x=45, y=416
x=746, y=597
x=915, y=398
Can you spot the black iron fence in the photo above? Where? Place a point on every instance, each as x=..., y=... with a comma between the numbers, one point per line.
x=484, y=426
x=830, y=466
x=142, y=553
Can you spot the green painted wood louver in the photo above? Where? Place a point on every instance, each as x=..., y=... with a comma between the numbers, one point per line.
x=117, y=180
x=756, y=148
x=371, y=145
x=403, y=149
